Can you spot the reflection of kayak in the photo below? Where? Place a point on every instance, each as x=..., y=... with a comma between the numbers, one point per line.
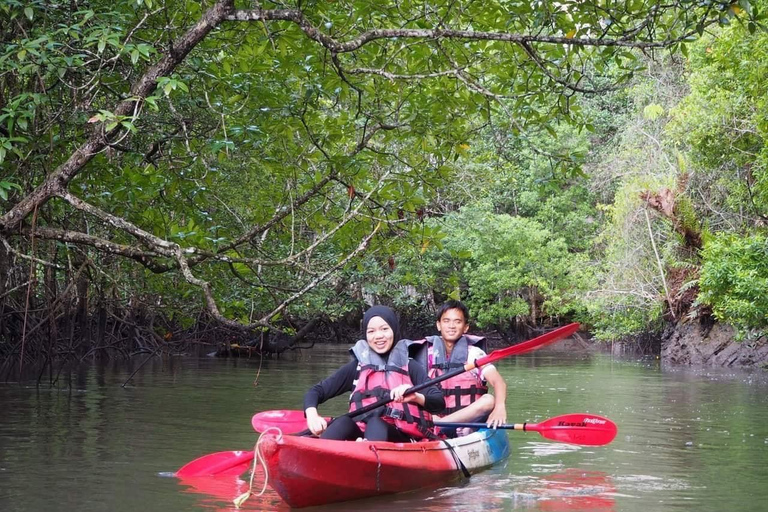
x=218, y=492
x=307, y=471
x=576, y=489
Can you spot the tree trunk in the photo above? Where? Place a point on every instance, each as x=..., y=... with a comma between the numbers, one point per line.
x=82, y=307
x=4, y=264
x=52, y=302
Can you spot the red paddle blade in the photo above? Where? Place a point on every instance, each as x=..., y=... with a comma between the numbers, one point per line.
x=219, y=463
x=288, y=421
x=527, y=346
x=586, y=429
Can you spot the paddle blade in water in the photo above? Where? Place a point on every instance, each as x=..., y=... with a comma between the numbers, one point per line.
x=219, y=463
x=586, y=429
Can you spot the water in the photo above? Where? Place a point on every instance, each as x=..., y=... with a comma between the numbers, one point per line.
x=688, y=439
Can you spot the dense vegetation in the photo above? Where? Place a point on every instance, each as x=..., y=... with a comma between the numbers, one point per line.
x=170, y=167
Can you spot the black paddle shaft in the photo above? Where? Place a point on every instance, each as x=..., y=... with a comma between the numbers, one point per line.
x=409, y=391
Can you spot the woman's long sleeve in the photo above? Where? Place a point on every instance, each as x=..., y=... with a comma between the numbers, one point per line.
x=433, y=395
x=341, y=381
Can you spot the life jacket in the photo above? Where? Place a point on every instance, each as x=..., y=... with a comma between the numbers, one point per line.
x=461, y=390
x=377, y=377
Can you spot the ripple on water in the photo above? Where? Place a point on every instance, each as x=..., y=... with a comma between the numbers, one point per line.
x=538, y=449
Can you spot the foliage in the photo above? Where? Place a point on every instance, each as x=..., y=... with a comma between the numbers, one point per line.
x=734, y=279
x=510, y=269
x=261, y=161
x=627, y=294
x=705, y=143
x=724, y=123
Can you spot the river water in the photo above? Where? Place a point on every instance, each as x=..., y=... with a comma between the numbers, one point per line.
x=689, y=439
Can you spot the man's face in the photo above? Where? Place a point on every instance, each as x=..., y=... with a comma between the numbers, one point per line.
x=452, y=325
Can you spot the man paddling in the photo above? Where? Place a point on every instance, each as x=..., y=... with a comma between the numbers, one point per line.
x=465, y=395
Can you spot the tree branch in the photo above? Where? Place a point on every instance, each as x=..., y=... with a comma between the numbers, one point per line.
x=58, y=180
x=296, y=16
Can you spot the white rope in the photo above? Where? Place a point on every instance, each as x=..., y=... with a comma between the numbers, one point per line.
x=258, y=458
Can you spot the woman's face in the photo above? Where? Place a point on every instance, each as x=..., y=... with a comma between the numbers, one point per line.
x=379, y=335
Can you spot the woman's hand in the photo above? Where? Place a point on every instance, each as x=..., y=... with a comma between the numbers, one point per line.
x=398, y=395
x=315, y=423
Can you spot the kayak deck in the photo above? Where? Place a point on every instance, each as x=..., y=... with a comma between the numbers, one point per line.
x=308, y=471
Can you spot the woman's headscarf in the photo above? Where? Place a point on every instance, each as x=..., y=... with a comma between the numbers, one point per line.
x=387, y=314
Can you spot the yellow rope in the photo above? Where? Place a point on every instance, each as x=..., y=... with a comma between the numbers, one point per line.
x=257, y=459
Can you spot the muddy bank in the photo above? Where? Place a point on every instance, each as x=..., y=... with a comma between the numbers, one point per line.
x=711, y=344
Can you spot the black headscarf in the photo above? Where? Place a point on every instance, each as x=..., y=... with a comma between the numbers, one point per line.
x=387, y=314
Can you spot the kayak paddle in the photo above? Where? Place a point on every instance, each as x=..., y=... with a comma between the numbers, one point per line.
x=232, y=461
x=580, y=428
x=219, y=463
x=288, y=420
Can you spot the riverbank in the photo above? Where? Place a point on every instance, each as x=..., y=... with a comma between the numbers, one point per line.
x=711, y=344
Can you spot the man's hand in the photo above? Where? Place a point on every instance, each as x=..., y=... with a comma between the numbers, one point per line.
x=498, y=416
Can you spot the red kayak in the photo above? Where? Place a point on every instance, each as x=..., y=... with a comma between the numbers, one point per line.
x=307, y=471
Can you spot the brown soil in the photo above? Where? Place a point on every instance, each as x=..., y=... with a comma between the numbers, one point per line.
x=711, y=344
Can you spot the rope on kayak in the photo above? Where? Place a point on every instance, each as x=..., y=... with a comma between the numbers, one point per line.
x=459, y=465
x=378, y=468
x=258, y=458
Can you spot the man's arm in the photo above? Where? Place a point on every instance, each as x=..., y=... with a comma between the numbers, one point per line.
x=498, y=415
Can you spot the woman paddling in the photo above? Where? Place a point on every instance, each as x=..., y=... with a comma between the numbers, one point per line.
x=380, y=368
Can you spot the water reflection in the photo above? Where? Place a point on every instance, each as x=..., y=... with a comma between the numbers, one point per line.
x=688, y=440
x=571, y=490
x=218, y=493
x=576, y=490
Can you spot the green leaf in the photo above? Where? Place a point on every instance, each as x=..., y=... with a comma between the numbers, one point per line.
x=152, y=102
x=29, y=13
x=653, y=111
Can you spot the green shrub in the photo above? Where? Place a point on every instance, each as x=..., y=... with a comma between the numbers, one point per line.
x=734, y=279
